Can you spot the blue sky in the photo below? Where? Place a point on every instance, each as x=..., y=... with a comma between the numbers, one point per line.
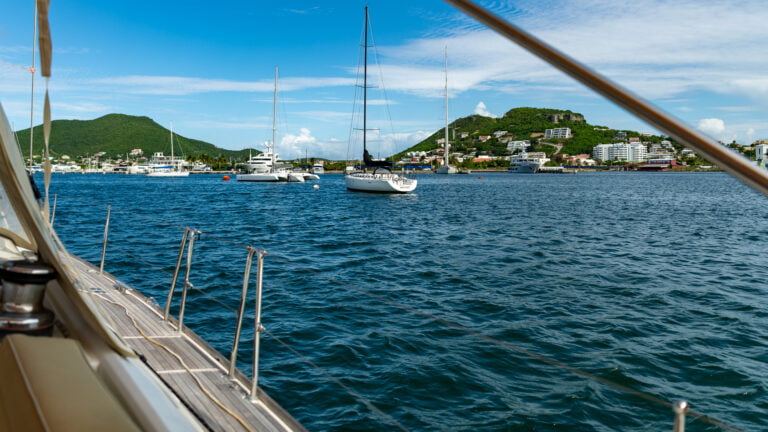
x=208, y=68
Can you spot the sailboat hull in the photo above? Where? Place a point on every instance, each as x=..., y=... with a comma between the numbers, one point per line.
x=380, y=183
x=447, y=169
x=168, y=174
x=262, y=177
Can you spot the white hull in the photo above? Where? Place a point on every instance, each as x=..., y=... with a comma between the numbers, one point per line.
x=524, y=168
x=263, y=177
x=381, y=183
x=296, y=178
x=447, y=169
x=310, y=176
x=168, y=174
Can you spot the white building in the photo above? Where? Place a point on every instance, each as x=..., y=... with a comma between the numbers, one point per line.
x=760, y=151
x=629, y=152
x=557, y=133
x=514, y=146
x=601, y=152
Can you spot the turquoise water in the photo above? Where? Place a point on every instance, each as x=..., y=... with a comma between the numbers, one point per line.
x=428, y=305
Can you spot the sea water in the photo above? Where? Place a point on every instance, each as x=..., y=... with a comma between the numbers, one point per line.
x=480, y=302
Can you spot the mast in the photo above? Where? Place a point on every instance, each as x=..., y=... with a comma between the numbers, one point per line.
x=365, y=82
x=274, y=122
x=32, y=103
x=173, y=162
x=447, y=144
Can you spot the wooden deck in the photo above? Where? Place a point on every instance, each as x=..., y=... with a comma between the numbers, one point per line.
x=133, y=314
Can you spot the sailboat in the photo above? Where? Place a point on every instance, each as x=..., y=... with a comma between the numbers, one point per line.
x=168, y=168
x=446, y=168
x=381, y=179
x=276, y=172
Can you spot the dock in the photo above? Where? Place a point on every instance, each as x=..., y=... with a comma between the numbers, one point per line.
x=139, y=322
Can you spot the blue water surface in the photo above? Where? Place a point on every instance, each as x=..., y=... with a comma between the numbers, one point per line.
x=442, y=307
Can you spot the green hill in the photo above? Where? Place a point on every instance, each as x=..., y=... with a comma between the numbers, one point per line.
x=524, y=124
x=118, y=134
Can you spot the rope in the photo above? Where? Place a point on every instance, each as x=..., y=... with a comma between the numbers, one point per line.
x=181, y=362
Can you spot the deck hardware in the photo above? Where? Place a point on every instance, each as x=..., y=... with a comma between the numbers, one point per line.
x=257, y=328
x=680, y=408
x=241, y=310
x=104, y=245
x=176, y=273
x=187, y=283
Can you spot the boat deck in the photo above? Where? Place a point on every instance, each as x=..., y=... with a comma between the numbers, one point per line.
x=140, y=324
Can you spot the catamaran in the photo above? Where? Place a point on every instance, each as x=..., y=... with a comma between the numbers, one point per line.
x=381, y=179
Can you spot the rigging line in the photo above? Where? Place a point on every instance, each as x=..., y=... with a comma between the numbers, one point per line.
x=507, y=345
x=354, y=99
x=28, y=69
x=153, y=266
x=213, y=299
x=348, y=389
x=197, y=380
x=383, y=88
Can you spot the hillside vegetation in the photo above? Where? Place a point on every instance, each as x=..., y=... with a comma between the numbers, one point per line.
x=118, y=134
x=520, y=124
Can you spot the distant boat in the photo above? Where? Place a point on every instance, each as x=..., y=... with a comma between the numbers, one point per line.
x=172, y=168
x=382, y=179
x=261, y=163
x=318, y=168
x=527, y=163
x=274, y=171
x=447, y=168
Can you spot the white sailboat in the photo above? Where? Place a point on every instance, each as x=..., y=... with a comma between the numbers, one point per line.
x=382, y=179
x=173, y=168
x=275, y=173
x=446, y=168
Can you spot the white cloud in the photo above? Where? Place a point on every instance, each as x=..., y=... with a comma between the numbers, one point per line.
x=713, y=127
x=296, y=145
x=174, y=85
x=481, y=109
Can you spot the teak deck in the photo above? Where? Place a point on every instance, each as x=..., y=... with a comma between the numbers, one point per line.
x=128, y=309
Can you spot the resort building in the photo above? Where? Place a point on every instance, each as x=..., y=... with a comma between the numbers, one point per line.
x=557, y=133
x=629, y=152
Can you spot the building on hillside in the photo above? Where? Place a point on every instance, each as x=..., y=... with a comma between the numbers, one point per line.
x=629, y=152
x=620, y=136
x=514, y=146
x=557, y=133
x=463, y=135
x=760, y=151
x=498, y=134
x=484, y=138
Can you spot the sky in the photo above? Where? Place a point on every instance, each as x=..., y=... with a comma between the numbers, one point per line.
x=208, y=69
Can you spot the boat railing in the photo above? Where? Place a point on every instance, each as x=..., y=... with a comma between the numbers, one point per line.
x=184, y=262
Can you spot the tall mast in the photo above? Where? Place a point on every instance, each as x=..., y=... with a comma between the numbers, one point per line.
x=365, y=81
x=32, y=103
x=447, y=145
x=274, y=120
x=173, y=162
